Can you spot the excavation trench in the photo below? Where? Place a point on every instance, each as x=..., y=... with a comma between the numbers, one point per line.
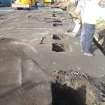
x=63, y=95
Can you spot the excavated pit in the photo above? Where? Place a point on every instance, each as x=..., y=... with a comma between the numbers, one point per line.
x=76, y=88
x=60, y=43
x=63, y=95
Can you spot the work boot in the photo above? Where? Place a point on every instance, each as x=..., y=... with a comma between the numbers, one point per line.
x=89, y=54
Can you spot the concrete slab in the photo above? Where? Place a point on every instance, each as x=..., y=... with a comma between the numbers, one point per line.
x=31, y=25
x=73, y=59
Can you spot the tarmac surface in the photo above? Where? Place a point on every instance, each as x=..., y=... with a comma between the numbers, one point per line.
x=33, y=25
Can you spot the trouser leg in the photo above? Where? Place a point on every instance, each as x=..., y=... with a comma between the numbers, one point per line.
x=86, y=38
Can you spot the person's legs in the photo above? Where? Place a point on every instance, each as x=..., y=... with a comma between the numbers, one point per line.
x=86, y=38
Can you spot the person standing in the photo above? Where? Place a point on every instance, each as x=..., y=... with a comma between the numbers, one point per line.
x=88, y=10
